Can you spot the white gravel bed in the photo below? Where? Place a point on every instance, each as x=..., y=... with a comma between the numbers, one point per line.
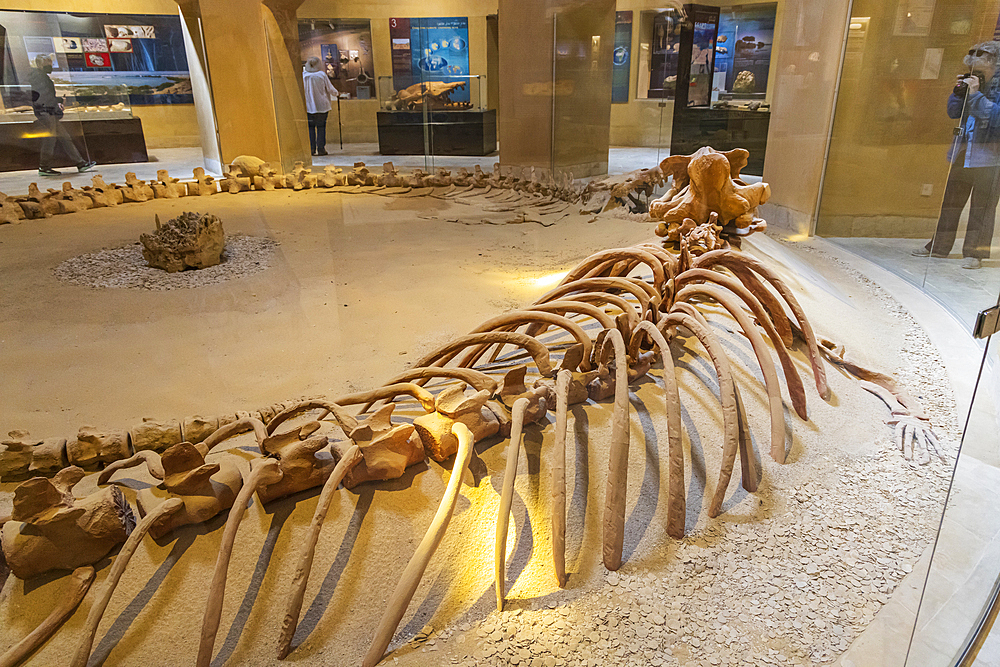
x=125, y=267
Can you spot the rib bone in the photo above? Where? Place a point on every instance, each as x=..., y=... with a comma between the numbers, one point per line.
x=407, y=586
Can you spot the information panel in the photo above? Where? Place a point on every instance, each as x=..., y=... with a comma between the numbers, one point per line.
x=622, y=60
x=430, y=49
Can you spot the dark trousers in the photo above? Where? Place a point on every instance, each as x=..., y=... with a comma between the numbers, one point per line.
x=55, y=133
x=981, y=183
x=317, y=132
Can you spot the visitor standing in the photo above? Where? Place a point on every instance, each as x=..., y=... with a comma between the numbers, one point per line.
x=975, y=159
x=319, y=91
x=48, y=110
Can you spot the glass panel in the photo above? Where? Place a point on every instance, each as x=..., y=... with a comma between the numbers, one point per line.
x=45, y=126
x=911, y=186
x=659, y=43
x=965, y=559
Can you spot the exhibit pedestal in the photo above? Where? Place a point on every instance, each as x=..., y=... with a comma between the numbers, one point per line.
x=448, y=132
x=723, y=130
x=106, y=141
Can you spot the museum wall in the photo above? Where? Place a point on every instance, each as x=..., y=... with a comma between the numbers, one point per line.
x=168, y=125
x=358, y=116
x=887, y=167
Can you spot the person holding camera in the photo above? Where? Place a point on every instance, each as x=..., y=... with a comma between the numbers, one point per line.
x=48, y=109
x=975, y=159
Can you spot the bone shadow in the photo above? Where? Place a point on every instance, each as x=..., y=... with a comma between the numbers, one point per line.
x=516, y=564
x=282, y=510
x=477, y=467
x=134, y=484
x=754, y=367
x=532, y=446
x=699, y=470
x=749, y=360
x=649, y=493
x=121, y=624
x=487, y=602
x=318, y=607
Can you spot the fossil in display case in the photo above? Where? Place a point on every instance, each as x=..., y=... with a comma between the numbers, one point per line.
x=745, y=83
x=435, y=94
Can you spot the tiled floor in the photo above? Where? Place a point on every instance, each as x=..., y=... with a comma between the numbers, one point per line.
x=963, y=292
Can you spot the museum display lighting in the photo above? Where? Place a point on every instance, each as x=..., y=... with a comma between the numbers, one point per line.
x=550, y=280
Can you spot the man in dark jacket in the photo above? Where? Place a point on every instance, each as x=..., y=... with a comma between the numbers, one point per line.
x=975, y=160
x=48, y=110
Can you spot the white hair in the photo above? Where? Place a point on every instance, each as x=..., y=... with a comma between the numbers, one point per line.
x=988, y=58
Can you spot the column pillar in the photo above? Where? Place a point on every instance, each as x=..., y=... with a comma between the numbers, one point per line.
x=556, y=113
x=807, y=68
x=247, y=80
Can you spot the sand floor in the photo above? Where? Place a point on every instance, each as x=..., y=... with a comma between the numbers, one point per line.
x=359, y=287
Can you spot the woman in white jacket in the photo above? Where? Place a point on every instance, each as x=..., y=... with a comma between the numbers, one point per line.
x=319, y=91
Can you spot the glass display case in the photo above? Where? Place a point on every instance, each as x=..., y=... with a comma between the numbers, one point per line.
x=659, y=45
x=80, y=101
x=436, y=117
x=97, y=118
x=449, y=93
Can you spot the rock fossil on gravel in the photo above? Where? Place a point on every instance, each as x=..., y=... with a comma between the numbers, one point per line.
x=191, y=240
x=125, y=268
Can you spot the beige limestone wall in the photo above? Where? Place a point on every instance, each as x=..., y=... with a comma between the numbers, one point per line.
x=168, y=125
x=585, y=40
x=243, y=128
x=887, y=167
x=804, y=78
